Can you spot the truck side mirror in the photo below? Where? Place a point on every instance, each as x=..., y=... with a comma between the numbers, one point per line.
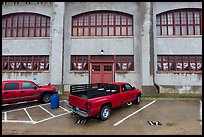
x=133, y=87
x=34, y=87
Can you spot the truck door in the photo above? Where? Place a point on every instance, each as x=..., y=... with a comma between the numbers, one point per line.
x=10, y=92
x=127, y=93
x=28, y=91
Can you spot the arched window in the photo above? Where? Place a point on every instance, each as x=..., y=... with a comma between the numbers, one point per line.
x=102, y=23
x=25, y=25
x=179, y=22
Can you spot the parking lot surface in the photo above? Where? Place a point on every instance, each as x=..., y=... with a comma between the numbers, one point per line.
x=175, y=117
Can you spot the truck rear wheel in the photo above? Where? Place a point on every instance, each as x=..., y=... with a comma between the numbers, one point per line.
x=105, y=112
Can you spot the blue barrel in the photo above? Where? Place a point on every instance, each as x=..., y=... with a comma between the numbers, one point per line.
x=54, y=103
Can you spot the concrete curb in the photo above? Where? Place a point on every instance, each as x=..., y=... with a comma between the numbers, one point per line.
x=171, y=99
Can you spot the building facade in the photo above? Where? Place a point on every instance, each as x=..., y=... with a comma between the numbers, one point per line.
x=155, y=46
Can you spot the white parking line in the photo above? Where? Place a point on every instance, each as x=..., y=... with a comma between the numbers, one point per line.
x=64, y=109
x=28, y=115
x=47, y=111
x=5, y=116
x=19, y=103
x=29, y=107
x=65, y=101
x=200, y=112
x=133, y=113
x=31, y=120
x=36, y=122
x=16, y=121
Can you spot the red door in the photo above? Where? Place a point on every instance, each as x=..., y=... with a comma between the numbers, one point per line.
x=28, y=91
x=101, y=72
x=10, y=93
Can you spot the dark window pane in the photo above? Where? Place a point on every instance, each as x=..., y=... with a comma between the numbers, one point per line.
x=28, y=86
x=11, y=86
x=125, y=63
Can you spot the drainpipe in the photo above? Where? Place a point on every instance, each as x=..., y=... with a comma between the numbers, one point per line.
x=152, y=43
x=62, y=81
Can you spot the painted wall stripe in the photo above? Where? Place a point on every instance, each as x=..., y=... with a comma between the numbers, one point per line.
x=134, y=113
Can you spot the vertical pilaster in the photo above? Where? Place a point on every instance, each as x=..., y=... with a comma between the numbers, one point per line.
x=57, y=28
x=147, y=74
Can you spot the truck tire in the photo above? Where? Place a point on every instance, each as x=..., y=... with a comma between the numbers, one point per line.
x=138, y=99
x=46, y=97
x=105, y=112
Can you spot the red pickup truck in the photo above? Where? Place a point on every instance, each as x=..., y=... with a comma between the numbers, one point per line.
x=98, y=99
x=24, y=90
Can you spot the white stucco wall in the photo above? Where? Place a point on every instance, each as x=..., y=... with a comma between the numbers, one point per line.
x=38, y=78
x=23, y=46
x=166, y=6
x=176, y=45
x=110, y=46
x=94, y=45
x=179, y=45
x=43, y=8
x=179, y=79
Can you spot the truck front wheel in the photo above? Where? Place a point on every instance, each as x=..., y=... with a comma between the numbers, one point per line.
x=138, y=99
x=105, y=112
x=46, y=98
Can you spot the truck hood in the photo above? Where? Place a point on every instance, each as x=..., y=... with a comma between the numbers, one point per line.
x=48, y=87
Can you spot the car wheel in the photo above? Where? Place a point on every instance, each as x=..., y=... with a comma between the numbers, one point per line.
x=138, y=99
x=105, y=112
x=46, y=98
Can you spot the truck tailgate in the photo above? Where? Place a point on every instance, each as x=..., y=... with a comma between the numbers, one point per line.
x=77, y=102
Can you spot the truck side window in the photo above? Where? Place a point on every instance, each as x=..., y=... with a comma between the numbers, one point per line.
x=27, y=85
x=11, y=86
x=128, y=87
x=123, y=88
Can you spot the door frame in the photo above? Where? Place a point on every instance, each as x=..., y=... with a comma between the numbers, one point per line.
x=101, y=61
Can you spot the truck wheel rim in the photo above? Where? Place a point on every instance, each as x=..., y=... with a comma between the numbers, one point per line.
x=47, y=98
x=138, y=99
x=105, y=112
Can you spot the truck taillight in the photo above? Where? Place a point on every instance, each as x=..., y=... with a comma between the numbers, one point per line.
x=88, y=106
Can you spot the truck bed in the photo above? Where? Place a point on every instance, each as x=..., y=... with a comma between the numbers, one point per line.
x=88, y=91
